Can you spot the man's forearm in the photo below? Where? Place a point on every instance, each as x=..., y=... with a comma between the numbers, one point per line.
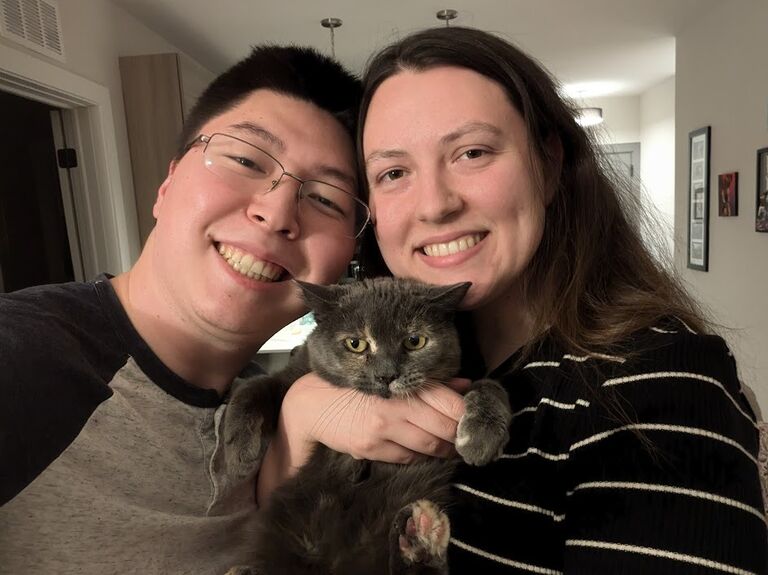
x=285, y=454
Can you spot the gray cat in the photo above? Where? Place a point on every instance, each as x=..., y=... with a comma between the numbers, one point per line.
x=340, y=515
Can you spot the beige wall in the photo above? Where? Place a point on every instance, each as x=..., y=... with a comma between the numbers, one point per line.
x=95, y=33
x=722, y=81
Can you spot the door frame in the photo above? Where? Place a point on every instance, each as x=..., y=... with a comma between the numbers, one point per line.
x=69, y=182
x=106, y=212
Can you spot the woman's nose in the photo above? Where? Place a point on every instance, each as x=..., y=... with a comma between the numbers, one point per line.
x=438, y=198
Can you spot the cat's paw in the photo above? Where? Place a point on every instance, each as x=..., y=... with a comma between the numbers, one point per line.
x=242, y=432
x=423, y=532
x=483, y=430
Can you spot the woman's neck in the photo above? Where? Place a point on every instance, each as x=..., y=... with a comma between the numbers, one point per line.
x=502, y=327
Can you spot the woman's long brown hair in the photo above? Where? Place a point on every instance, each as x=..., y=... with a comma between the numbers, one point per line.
x=592, y=281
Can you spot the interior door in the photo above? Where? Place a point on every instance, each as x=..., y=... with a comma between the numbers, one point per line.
x=34, y=242
x=625, y=159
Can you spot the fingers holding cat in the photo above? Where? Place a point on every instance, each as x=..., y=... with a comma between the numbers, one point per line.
x=366, y=427
x=369, y=427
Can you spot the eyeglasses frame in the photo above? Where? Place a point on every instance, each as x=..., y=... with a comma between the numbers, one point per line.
x=205, y=140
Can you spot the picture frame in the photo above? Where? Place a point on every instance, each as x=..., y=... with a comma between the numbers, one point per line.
x=698, y=198
x=761, y=203
x=728, y=194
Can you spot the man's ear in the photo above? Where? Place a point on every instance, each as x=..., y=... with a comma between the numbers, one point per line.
x=164, y=188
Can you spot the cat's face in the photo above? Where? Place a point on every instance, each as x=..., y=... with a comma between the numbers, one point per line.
x=386, y=336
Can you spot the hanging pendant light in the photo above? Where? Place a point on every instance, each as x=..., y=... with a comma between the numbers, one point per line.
x=331, y=24
x=589, y=117
x=447, y=15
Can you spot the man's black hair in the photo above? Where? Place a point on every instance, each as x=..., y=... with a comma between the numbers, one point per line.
x=295, y=71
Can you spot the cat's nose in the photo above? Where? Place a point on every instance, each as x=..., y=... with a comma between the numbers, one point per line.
x=385, y=380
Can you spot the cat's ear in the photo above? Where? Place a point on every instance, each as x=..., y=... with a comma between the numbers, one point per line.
x=450, y=296
x=318, y=297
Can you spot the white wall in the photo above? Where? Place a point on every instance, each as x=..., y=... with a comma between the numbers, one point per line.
x=657, y=151
x=648, y=118
x=722, y=81
x=95, y=33
x=621, y=119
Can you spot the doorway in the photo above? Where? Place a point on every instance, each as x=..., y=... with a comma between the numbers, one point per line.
x=625, y=160
x=34, y=239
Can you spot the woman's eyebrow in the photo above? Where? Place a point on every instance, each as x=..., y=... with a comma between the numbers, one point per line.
x=384, y=155
x=470, y=128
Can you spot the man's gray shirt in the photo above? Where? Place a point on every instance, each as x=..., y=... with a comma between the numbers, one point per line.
x=110, y=463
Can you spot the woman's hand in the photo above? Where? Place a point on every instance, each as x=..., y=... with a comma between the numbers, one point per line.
x=366, y=427
x=369, y=427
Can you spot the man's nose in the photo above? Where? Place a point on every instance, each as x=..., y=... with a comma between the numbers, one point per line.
x=278, y=208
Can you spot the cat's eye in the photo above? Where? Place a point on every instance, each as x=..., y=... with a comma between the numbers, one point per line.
x=356, y=344
x=413, y=342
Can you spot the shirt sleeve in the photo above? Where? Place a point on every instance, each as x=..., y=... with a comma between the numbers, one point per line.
x=50, y=381
x=663, y=474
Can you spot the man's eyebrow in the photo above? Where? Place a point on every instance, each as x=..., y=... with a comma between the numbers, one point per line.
x=259, y=132
x=269, y=137
x=469, y=129
x=326, y=171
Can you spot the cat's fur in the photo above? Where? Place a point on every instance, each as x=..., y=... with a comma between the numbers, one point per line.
x=341, y=515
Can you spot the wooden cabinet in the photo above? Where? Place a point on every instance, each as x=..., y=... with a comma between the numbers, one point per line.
x=158, y=91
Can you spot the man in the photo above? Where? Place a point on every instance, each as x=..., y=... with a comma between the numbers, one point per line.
x=111, y=392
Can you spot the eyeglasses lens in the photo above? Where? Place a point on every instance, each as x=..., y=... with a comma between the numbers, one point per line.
x=244, y=166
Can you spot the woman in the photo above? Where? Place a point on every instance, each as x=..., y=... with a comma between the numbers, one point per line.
x=633, y=449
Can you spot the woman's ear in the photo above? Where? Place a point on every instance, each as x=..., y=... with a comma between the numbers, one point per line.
x=161, y=191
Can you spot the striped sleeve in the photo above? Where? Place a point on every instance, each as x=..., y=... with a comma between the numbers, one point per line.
x=663, y=471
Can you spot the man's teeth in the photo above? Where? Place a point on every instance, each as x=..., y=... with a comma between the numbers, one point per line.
x=453, y=247
x=245, y=264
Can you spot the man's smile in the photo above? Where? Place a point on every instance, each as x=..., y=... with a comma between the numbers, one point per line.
x=248, y=265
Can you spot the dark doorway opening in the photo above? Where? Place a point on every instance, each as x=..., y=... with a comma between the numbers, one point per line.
x=34, y=245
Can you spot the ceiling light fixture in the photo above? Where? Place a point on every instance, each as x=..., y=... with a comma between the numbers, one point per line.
x=447, y=15
x=589, y=117
x=331, y=24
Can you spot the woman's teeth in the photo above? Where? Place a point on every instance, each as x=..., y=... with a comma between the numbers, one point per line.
x=452, y=247
x=245, y=264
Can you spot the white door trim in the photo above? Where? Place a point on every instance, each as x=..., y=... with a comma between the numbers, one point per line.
x=68, y=185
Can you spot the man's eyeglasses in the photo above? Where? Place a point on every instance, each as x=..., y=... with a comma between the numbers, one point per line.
x=244, y=166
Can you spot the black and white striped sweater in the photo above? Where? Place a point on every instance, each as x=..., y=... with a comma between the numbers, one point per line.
x=578, y=490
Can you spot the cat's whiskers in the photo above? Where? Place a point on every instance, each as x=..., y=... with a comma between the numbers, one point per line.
x=409, y=395
x=362, y=407
x=332, y=411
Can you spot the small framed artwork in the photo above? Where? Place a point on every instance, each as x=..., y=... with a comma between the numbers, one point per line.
x=728, y=194
x=761, y=218
x=698, y=199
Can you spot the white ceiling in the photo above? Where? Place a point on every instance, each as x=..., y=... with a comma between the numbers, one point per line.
x=606, y=47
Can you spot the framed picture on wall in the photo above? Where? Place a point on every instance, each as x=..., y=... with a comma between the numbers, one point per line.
x=698, y=199
x=761, y=218
x=728, y=194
